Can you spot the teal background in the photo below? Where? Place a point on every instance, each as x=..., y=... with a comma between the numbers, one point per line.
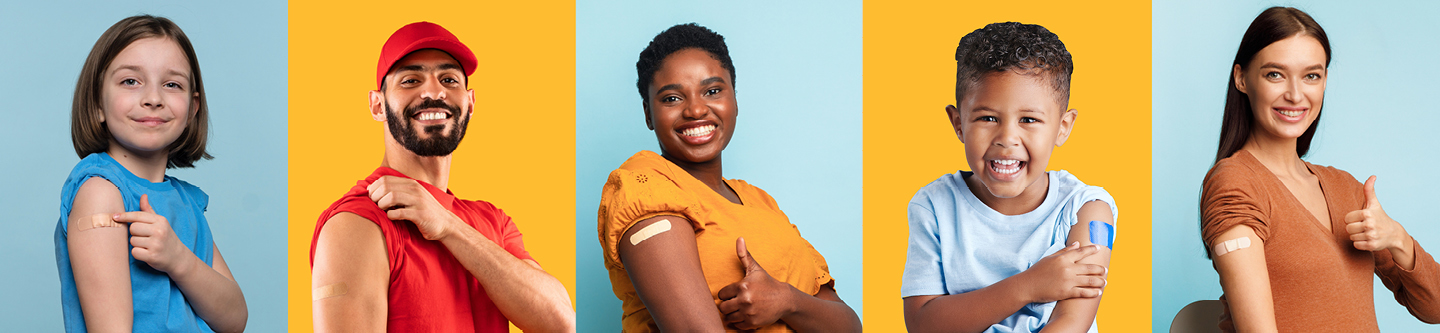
x=242, y=51
x=1377, y=119
x=798, y=86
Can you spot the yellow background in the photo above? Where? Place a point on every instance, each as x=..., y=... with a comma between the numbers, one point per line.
x=910, y=78
x=519, y=151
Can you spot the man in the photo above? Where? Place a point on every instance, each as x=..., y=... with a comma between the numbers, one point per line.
x=399, y=252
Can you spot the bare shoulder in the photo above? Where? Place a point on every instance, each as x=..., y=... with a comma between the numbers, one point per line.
x=95, y=196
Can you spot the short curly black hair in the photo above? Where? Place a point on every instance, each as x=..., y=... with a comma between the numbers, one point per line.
x=1012, y=46
x=674, y=39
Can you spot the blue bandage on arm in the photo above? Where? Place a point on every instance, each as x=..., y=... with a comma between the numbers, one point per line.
x=1102, y=233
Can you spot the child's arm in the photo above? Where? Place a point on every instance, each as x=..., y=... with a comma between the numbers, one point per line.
x=98, y=257
x=1057, y=277
x=664, y=266
x=1246, y=282
x=1076, y=314
x=350, y=276
x=759, y=300
x=212, y=292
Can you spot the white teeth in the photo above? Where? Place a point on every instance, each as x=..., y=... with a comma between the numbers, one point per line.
x=1291, y=113
x=699, y=130
x=1005, y=166
x=431, y=116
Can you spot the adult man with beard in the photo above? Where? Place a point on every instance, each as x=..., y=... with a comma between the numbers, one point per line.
x=399, y=252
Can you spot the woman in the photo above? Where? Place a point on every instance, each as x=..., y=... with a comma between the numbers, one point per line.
x=1295, y=243
x=671, y=225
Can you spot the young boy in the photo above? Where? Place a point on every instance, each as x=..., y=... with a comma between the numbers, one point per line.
x=1007, y=247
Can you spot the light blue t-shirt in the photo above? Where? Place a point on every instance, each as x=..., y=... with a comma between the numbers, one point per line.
x=158, y=304
x=958, y=244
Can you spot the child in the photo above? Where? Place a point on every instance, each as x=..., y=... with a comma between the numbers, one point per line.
x=132, y=245
x=995, y=248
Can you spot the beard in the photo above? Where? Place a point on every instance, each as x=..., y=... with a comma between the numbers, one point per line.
x=409, y=136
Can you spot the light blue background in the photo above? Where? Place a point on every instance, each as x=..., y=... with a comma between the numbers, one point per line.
x=798, y=85
x=242, y=52
x=1378, y=119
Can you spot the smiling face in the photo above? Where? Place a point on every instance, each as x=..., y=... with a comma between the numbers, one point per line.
x=1010, y=123
x=1285, y=83
x=147, y=97
x=425, y=105
x=691, y=106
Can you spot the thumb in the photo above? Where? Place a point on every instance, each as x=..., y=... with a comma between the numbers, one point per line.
x=745, y=257
x=145, y=204
x=1370, y=200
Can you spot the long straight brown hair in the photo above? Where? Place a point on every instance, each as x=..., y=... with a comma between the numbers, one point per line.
x=1273, y=24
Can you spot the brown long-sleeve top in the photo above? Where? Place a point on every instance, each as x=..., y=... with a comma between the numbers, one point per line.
x=1318, y=280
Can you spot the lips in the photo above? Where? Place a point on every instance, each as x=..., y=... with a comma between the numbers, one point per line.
x=432, y=116
x=1006, y=169
x=1291, y=114
x=150, y=121
x=697, y=133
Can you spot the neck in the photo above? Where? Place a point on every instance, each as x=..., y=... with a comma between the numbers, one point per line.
x=1028, y=200
x=1276, y=154
x=148, y=165
x=434, y=170
x=708, y=172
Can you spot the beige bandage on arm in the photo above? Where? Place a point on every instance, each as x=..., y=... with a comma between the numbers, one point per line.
x=1222, y=248
x=329, y=291
x=101, y=220
x=650, y=230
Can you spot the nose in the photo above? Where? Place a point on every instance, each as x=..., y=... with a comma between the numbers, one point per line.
x=1009, y=136
x=1292, y=92
x=433, y=89
x=695, y=109
x=151, y=99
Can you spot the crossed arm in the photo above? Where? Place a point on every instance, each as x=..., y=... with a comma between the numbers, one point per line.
x=99, y=257
x=1075, y=277
x=665, y=270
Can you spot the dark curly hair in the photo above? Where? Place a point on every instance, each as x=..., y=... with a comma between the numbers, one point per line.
x=674, y=39
x=1012, y=46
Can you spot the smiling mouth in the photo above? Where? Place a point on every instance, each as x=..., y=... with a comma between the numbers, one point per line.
x=432, y=115
x=698, y=131
x=1007, y=168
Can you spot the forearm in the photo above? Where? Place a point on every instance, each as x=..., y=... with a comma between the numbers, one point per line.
x=1073, y=315
x=528, y=296
x=1404, y=253
x=973, y=311
x=814, y=314
x=216, y=298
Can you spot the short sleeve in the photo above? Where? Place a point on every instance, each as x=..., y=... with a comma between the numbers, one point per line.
x=510, y=237
x=630, y=196
x=1230, y=198
x=923, y=270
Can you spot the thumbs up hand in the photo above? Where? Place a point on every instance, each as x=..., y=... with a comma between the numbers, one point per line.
x=1370, y=228
x=153, y=240
x=757, y=300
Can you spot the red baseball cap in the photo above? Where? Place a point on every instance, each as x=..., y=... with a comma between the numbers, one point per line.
x=417, y=36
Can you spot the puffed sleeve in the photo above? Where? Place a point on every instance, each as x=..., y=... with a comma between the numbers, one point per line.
x=632, y=195
x=1231, y=198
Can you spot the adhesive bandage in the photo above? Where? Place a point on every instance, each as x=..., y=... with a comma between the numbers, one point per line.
x=99, y=221
x=650, y=230
x=1222, y=248
x=1103, y=234
x=327, y=291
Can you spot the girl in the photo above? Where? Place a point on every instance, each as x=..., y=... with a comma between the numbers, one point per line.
x=1295, y=244
x=132, y=245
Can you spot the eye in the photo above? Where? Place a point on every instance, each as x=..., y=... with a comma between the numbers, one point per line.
x=449, y=80
x=669, y=99
x=409, y=81
x=129, y=82
x=1026, y=120
x=986, y=118
x=712, y=91
x=1312, y=76
x=1273, y=75
x=173, y=85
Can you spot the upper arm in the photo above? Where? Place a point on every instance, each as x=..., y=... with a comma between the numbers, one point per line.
x=350, y=276
x=100, y=257
x=1246, y=282
x=1078, y=313
x=665, y=270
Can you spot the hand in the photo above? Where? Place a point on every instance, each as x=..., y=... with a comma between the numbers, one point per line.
x=405, y=199
x=1061, y=276
x=1370, y=228
x=153, y=240
x=757, y=300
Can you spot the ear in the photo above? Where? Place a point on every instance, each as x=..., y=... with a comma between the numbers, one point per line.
x=1067, y=122
x=648, y=122
x=1239, y=77
x=194, y=105
x=377, y=105
x=102, y=115
x=954, y=116
x=470, y=111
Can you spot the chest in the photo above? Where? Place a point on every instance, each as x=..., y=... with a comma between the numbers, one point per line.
x=1307, y=192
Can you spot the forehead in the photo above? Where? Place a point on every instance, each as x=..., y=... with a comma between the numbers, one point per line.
x=426, y=59
x=160, y=54
x=1300, y=51
x=690, y=64
x=1011, y=91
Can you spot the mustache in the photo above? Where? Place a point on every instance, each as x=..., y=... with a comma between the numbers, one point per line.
x=432, y=104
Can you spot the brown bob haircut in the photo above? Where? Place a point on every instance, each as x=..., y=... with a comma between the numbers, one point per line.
x=1273, y=25
x=90, y=135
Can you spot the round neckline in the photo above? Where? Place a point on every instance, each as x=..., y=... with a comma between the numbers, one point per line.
x=133, y=178
x=986, y=211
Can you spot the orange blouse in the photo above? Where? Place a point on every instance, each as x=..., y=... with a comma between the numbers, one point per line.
x=648, y=185
x=1319, y=281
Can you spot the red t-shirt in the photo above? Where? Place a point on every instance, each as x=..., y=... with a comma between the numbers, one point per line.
x=430, y=291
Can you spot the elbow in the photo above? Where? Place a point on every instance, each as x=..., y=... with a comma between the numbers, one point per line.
x=559, y=319
x=236, y=323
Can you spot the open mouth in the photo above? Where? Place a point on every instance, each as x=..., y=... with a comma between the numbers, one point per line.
x=1006, y=169
x=697, y=133
x=1291, y=114
x=432, y=116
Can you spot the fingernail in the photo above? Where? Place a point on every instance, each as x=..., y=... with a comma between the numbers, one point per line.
x=116, y=216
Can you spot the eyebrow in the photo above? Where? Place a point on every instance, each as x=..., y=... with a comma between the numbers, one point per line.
x=1282, y=67
x=418, y=67
x=676, y=86
x=138, y=69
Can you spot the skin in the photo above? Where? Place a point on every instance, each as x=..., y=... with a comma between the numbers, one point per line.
x=351, y=251
x=692, y=89
x=1014, y=115
x=147, y=104
x=1289, y=75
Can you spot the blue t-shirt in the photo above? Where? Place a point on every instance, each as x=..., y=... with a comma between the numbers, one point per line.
x=158, y=304
x=958, y=244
